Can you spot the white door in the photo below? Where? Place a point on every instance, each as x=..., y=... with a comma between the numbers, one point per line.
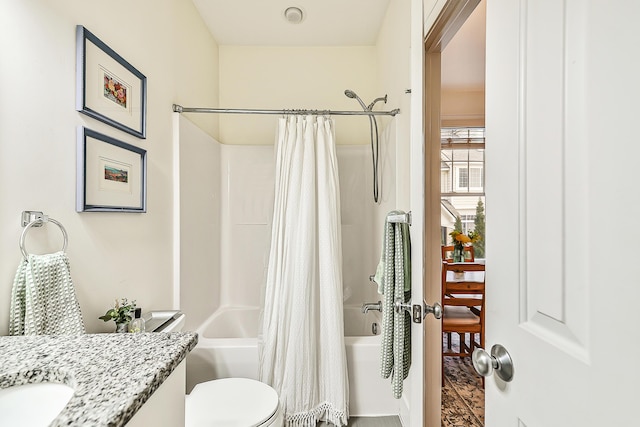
x=563, y=193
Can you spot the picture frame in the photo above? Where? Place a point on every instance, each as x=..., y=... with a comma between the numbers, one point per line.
x=111, y=174
x=108, y=88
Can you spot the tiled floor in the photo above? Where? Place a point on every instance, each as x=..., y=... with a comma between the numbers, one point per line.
x=369, y=422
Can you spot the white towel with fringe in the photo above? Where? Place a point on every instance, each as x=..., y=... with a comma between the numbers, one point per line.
x=395, y=357
x=43, y=299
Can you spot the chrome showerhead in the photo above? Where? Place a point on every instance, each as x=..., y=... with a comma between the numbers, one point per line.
x=351, y=94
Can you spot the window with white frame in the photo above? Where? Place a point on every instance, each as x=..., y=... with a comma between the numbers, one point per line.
x=462, y=179
x=462, y=161
x=470, y=178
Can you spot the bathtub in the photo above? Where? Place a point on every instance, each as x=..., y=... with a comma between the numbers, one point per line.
x=227, y=347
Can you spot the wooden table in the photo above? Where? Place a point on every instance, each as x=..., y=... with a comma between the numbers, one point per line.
x=464, y=284
x=465, y=276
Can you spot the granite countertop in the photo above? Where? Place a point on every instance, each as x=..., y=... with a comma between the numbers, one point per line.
x=113, y=374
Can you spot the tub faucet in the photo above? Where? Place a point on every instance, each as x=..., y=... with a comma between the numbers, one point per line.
x=372, y=306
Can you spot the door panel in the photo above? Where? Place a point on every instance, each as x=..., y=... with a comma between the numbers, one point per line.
x=542, y=60
x=552, y=36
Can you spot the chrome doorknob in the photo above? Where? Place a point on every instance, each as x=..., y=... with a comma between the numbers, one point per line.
x=436, y=309
x=499, y=361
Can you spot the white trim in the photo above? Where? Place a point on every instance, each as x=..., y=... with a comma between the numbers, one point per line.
x=176, y=211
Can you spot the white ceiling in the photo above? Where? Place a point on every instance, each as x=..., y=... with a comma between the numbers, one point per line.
x=262, y=23
x=338, y=23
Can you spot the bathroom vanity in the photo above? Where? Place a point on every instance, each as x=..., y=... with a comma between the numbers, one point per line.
x=117, y=379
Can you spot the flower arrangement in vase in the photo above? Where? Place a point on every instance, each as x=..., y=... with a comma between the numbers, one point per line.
x=460, y=240
x=121, y=313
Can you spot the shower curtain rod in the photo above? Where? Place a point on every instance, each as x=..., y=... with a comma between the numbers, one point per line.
x=180, y=109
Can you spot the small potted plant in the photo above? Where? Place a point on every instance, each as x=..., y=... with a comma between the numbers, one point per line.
x=121, y=313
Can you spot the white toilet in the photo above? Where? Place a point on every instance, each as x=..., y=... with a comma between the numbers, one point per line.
x=230, y=402
x=233, y=402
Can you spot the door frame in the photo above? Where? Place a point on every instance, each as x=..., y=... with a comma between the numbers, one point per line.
x=449, y=17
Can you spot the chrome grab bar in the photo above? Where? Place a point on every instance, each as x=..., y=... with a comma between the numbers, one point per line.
x=401, y=218
x=400, y=305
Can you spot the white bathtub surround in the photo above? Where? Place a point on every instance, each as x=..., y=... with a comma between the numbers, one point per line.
x=43, y=299
x=395, y=354
x=228, y=348
x=301, y=342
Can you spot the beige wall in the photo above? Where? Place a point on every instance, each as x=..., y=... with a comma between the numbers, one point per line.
x=196, y=64
x=294, y=77
x=112, y=255
x=393, y=64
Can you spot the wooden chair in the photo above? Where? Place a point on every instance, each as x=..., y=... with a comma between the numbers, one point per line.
x=463, y=308
x=447, y=253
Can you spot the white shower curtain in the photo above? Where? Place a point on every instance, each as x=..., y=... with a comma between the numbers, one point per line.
x=301, y=342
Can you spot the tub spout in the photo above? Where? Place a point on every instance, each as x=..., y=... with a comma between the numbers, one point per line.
x=372, y=306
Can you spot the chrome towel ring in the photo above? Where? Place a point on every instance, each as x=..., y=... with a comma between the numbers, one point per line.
x=38, y=222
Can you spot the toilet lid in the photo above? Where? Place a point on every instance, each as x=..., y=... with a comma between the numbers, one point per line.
x=230, y=402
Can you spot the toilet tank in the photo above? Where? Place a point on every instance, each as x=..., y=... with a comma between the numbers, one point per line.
x=164, y=321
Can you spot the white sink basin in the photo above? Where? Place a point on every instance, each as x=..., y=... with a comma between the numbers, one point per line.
x=33, y=405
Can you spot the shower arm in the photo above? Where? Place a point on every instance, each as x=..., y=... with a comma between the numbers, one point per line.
x=375, y=101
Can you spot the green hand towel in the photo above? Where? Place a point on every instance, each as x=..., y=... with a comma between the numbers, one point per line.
x=395, y=356
x=378, y=277
x=43, y=299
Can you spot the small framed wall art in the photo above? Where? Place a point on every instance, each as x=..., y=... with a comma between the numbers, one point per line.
x=111, y=174
x=109, y=88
